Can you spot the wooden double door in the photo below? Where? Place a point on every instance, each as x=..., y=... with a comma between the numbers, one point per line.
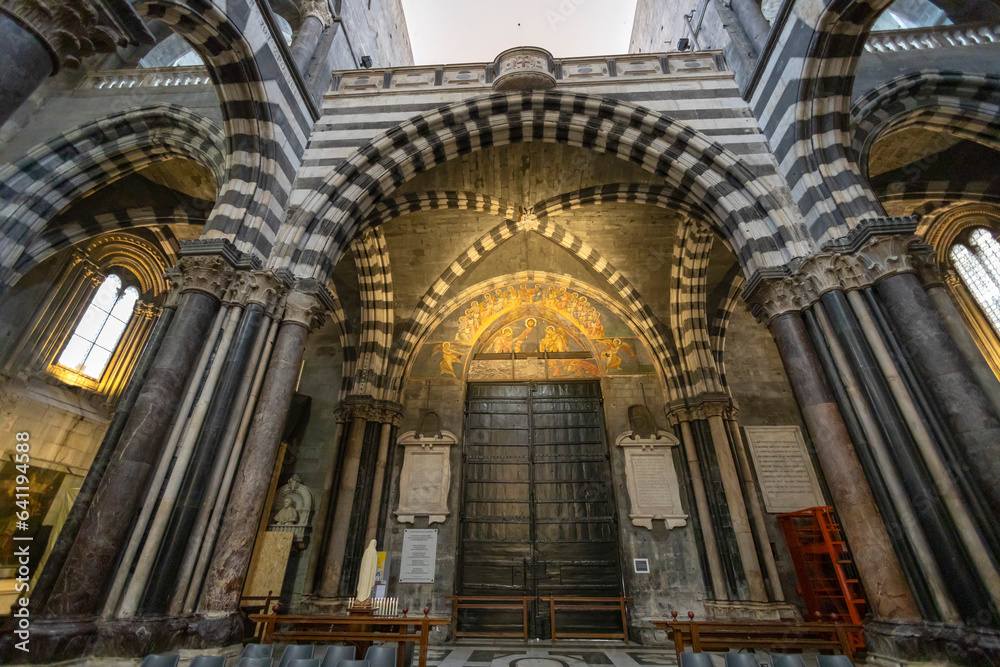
x=538, y=508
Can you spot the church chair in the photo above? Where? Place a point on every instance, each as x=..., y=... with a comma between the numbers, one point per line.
x=354, y=663
x=741, y=660
x=835, y=661
x=255, y=662
x=209, y=661
x=787, y=660
x=257, y=651
x=162, y=660
x=696, y=660
x=296, y=652
x=337, y=654
x=304, y=662
x=381, y=656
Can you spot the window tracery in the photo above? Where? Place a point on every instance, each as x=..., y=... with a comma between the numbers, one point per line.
x=99, y=331
x=977, y=261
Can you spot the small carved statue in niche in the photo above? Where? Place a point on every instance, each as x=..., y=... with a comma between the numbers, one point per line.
x=287, y=515
x=294, y=501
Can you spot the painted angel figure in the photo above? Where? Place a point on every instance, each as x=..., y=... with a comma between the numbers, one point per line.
x=613, y=359
x=449, y=357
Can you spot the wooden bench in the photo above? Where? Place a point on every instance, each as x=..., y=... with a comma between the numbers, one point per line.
x=349, y=629
x=782, y=636
x=619, y=604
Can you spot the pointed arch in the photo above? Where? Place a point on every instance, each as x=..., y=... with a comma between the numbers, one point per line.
x=429, y=306
x=757, y=225
x=42, y=184
x=801, y=96
x=267, y=117
x=960, y=104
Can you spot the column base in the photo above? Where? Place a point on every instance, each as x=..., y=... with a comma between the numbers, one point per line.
x=62, y=640
x=931, y=644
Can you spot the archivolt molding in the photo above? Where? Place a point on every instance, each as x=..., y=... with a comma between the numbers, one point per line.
x=753, y=220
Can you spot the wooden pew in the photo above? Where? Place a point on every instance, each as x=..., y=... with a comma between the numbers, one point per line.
x=351, y=629
x=782, y=636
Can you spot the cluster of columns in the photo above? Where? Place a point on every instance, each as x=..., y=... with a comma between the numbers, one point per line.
x=167, y=517
x=353, y=494
x=725, y=495
x=903, y=428
x=42, y=36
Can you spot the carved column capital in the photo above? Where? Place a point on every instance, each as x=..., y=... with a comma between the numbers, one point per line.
x=146, y=310
x=952, y=279
x=175, y=285
x=319, y=9
x=209, y=274
x=70, y=30
x=886, y=256
x=925, y=259
x=304, y=308
x=772, y=297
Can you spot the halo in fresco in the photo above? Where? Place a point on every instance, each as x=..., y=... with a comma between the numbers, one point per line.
x=531, y=331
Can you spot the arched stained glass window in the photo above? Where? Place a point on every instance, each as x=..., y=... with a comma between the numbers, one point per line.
x=99, y=330
x=978, y=263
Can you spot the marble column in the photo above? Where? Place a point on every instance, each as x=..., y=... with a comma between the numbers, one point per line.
x=319, y=529
x=335, y=550
x=940, y=297
x=716, y=576
x=752, y=20
x=375, y=507
x=879, y=569
x=734, y=498
x=756, y=512
x=969, y=413
x=318, y=18
x=81, y=586
x=305, y=307
x=60, y=550
x=43, y=35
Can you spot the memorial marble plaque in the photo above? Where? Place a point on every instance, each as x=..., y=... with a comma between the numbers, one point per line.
x=651, y=479
x=426, y=476
x=419, y=555
x=787, y=479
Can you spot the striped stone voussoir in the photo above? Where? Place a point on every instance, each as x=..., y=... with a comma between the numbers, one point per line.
x=46, y=181
x=802, y=97
x=429, y=309
x=371, y=259
x=267, y=117
x=963, y=105
x=761, y=230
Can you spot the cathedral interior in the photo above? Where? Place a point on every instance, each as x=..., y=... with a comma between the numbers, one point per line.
x=624, y=326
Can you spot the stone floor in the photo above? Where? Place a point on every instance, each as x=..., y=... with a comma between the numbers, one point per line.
x=564, y=655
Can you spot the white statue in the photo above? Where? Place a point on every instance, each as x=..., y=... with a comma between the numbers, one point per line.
x=287, y=515
x=366, y=573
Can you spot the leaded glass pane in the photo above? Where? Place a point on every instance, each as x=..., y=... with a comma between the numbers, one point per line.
x=980, y=281
x=100, y=329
